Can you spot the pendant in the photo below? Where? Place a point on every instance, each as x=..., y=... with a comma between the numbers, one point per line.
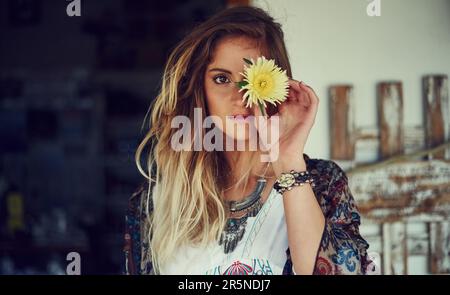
x=235, y=228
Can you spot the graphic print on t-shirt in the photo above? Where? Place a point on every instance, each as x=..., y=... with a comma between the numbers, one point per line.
x=254, y=266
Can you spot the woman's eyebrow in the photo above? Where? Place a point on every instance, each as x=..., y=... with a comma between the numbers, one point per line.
x=220, y=70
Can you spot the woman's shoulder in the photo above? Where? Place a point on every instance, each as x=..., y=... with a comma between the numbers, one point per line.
x=135, y=200
x=330, y=186
x=324, y=171
x=139, y=202
x=135, y=244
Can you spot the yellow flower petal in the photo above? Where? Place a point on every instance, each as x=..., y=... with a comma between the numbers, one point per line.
x=267, y=83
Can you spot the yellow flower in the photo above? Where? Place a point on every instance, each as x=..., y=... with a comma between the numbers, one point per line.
x=264, y=82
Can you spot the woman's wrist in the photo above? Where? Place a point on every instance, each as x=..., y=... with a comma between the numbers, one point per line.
x=286, y=166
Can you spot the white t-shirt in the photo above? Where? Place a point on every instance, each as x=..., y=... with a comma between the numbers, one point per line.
x=261, y=251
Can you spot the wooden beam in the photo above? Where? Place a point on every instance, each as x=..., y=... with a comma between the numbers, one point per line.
x=403, y=190
x=398, y=159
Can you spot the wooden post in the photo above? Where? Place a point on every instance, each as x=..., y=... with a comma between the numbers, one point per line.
x=439, y=256
x=431, y=264
x=387, y=259
x=342, y=123
x=390, y=115
x=405, y=248
x=383, y=248
x=436, y=107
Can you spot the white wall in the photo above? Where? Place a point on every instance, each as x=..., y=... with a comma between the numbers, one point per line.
x=335, y=41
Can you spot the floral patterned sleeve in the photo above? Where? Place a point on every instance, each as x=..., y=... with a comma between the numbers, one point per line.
x=135, y=245
x=342, y=249
x=131, y=249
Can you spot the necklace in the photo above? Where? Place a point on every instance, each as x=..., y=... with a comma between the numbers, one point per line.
x=235, y=227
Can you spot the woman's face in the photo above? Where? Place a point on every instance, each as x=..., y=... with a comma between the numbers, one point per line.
x=223, y=98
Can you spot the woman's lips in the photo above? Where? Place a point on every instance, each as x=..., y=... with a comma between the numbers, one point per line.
x=239, y=117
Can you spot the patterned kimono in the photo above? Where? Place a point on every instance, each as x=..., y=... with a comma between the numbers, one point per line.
x=342, y=250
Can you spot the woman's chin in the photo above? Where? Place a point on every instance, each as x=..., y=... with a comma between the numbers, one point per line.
x=239, y=141
x=238, y=135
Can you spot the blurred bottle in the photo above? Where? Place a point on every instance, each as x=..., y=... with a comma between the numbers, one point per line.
x=13, y=223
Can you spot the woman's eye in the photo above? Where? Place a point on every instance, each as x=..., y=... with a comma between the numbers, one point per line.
x=221, y=79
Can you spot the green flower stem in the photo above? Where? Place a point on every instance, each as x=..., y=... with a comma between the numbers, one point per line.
x=261, y=107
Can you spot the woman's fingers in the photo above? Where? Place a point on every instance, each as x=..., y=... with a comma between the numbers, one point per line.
x=303, y=96
x=313, y=103
x=302, y=93
x=312, y=94
x=301, y=100
x=292, y=97
x=295, y=85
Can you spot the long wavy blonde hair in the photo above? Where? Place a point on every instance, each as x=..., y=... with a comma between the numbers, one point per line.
x=186, y=187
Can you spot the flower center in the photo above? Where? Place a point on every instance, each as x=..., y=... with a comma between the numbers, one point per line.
x=264, y=85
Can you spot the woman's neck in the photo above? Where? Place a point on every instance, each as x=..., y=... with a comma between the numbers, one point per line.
x=239, y=162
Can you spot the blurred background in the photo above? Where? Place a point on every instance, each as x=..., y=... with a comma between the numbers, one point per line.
x=74, y=92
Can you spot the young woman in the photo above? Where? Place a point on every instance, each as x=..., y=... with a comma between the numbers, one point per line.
x=226, y=211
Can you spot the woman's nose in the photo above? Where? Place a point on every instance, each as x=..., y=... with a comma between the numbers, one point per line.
x=237, y=94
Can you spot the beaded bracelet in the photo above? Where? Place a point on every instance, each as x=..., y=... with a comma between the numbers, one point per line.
x=288, y=180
